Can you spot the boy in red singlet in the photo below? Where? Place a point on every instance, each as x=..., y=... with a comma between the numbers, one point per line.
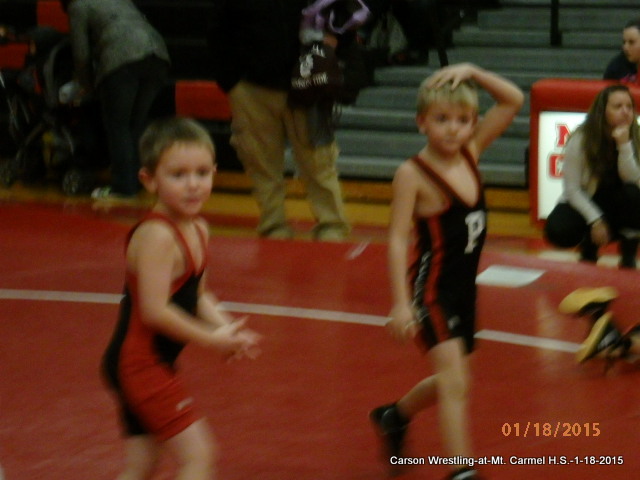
x=439, y=192
x=166, y=305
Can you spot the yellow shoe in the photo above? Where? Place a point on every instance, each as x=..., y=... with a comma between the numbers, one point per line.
x=587, y=298
x=604, y=336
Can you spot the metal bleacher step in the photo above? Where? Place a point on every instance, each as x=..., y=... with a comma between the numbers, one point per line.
x=571, y=17
x=405, y=144
x=378, y=154
x=541, y=59
x=373, y=119
x=383, y=168
x=403, y=76
x=475, y=36
x=404, y=98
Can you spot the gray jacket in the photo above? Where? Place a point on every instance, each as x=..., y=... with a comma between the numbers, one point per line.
x=106, y=35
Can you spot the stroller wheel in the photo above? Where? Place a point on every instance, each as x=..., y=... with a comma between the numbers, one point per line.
x=8, y=174
x=77, y=182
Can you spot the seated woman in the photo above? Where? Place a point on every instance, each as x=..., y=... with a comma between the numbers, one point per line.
x=600, y=202
x=624, y=66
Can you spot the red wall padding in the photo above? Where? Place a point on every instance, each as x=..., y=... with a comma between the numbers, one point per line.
x=50, y=13
x=201, y=99
x=13, y=55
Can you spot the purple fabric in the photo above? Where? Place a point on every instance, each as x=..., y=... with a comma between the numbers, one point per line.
x=319, y=16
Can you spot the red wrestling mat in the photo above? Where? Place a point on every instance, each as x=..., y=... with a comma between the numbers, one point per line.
x=300, y=410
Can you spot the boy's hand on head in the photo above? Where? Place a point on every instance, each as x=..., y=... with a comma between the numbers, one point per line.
x=453, y=73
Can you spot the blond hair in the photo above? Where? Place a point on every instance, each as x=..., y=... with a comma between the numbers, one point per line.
x=162, y=134
x=465, y=93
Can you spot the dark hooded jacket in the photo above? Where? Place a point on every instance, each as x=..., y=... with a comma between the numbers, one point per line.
x=254, y=40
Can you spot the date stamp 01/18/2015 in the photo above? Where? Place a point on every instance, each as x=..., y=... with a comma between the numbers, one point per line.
x=551, y=429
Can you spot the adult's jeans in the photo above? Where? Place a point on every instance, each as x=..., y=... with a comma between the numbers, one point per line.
x=126, y=96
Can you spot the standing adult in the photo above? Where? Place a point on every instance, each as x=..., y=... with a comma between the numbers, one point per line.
x=255, y=45
x=121, y=57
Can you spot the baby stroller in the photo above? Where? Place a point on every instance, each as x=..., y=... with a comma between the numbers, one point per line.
x=52, y=139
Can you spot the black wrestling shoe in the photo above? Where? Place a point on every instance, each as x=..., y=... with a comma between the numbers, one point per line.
x=603, y=339
x=392, y=428
x=624, y=345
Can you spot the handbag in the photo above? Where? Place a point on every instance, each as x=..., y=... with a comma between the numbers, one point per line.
x=319, y=75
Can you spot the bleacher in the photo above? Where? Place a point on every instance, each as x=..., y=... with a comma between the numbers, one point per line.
x=513, y=40
x=378, y=132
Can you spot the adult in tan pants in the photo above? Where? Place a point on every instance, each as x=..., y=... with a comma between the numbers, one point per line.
x=262, y=127
x=254, y=45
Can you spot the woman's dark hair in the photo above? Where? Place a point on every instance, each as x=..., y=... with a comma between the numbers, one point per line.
x=635, y=23
x=599, y=147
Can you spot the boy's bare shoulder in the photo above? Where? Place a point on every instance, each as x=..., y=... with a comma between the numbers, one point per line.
x=153, y=230
x=406, y=168
x=153, y=238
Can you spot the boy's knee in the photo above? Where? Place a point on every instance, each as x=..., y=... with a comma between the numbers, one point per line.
x=453, y=385
x=201, y=458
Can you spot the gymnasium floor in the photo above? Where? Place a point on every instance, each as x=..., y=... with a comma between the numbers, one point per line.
x=299, y=412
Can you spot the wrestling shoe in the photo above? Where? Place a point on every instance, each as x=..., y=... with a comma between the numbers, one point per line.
x=603, y=339
x=588, y=301
x=392, y=428
x=626, y=342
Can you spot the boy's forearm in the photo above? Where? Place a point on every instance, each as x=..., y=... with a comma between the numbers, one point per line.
x=175, y=323
x=500, y=88
x=397, y=274
x=209, y=310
